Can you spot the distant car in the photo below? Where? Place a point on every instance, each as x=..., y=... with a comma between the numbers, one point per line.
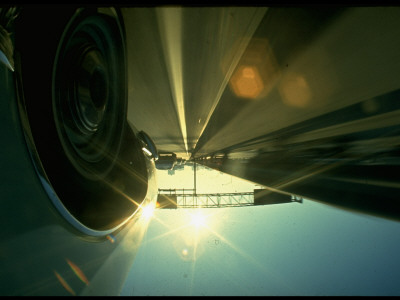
x=166, y=160
x=181, y=161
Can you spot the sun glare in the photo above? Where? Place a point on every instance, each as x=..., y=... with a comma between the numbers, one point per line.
x=148, y=211
x=198, y=219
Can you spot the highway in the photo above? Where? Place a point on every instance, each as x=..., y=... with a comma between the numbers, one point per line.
x=179, y=70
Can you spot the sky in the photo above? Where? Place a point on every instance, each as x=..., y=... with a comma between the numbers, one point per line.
x=295, y=249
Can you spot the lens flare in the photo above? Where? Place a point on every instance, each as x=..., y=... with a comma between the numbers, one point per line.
x=247, y=82
x=148, y=211
x=64, y=283
x=295, y=90
x=78, y=272
x=111, y=238
x=256, y=72
x=198, y=219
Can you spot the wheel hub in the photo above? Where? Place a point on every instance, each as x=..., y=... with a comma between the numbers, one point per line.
x=89, y=103
x=91, y=91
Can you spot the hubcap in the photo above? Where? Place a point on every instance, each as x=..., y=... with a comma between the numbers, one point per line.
x=89, y=99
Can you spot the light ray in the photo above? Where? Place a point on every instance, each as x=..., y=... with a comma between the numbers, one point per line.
x=170, y=26
x=249, y=258
x=167, y=233
x=195, y=259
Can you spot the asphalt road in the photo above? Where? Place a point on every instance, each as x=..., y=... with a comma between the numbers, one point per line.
x=302, y=100
x=204, y=79
x=180, y=61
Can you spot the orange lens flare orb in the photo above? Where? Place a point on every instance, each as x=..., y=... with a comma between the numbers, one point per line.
x=247, y=82
x=256, y=71
x=295, y=90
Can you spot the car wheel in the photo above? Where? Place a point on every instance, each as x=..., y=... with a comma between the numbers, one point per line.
x=72, y=67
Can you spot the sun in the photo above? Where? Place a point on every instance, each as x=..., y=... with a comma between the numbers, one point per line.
x=198, y=219
x=148, y=211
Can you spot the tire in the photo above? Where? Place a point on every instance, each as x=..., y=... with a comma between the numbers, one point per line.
x=72, y=65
